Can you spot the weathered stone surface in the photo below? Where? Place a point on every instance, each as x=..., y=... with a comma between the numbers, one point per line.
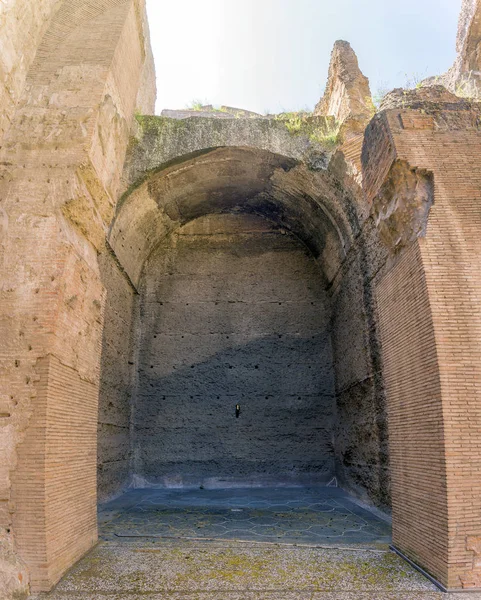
x=401, y=209
x=14, y=581
x=222, y=324
x=403, y=251
x=160, y=141
x=464, y=77
x=428, y=97
x=347, y=96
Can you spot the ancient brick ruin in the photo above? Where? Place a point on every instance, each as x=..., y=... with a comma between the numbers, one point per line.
x=322, y=271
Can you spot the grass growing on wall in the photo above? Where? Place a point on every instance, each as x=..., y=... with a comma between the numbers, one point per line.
x=324, y=131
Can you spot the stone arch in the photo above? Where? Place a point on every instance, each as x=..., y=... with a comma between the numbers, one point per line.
x=322, y=208
x=159, y=141
x=312, y=204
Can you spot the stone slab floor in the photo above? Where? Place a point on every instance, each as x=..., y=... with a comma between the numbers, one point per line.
x=251, y=544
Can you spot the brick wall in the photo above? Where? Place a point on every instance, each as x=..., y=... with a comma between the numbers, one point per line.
x=56, y=478
x=431, y=329
x=61, y=160
x=22, y=25
x=415, y=413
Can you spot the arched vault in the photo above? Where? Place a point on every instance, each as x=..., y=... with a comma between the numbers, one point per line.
x=313, y=205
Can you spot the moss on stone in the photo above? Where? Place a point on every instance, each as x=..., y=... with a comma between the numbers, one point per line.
x=323, y=131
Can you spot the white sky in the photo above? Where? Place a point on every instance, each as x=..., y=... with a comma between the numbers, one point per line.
x=273, y=55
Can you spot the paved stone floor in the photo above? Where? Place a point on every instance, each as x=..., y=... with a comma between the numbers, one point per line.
x=289, y=515
x=284, y=543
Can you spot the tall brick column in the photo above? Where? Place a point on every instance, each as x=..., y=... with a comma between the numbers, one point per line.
x=429, y=302
x=60, y=166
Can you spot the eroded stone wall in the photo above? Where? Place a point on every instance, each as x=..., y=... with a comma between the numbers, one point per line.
x=118, y=376
x=234, y=311
x=361, y=437
x=326, y=210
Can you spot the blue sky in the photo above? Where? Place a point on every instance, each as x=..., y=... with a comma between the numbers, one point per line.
x=273, y=55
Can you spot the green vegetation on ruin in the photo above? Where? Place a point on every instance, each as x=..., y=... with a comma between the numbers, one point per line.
x=324, y=131
x=199, y=106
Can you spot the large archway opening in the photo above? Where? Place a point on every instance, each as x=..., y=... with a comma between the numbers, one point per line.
x=237, y=277
x=239, y=308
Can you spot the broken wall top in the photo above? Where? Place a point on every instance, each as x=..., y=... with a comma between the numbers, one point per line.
x=348, y=95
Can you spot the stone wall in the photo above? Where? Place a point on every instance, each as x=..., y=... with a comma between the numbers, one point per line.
x=322, y=207
x=117, y=382
x=234, y=311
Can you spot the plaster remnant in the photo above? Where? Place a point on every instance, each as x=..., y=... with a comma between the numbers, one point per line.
x=472, y=579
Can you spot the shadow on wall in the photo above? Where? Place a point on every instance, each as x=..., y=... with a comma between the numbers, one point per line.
x=186, y=429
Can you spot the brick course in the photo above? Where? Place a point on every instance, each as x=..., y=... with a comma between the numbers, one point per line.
x=429, y=309
x=65, y=121
x=61, y=161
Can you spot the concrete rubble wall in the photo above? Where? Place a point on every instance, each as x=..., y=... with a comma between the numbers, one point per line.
x=361, y=433
x=234, y=311
x=323, y=207
x=61, y=162
x=161, y=140
x=464, y=77
x=117, y=380
x=347, y=97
